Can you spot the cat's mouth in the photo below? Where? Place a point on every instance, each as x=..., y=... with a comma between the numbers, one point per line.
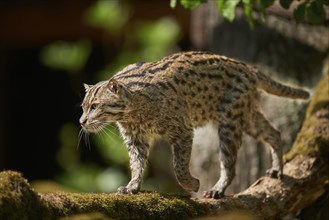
x=93, y=127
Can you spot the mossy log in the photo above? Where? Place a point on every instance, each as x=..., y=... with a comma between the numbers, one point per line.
x=19, y=201
x=306, y=178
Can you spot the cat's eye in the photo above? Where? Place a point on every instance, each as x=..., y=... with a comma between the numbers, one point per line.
x=93, y=106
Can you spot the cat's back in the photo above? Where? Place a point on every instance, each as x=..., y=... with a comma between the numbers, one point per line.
x=186, y=71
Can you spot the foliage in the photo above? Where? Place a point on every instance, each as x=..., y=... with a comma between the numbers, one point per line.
x=145, y=40
x=153, y=39
x=87, y=176
x=109, y=15
x=311, y=11
x=67, y=56
x=227, y=8
x=191, y=4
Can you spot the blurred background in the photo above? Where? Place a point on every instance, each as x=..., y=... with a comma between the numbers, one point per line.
x=48, y=49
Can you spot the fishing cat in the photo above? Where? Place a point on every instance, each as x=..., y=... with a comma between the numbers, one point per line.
x=170, y=98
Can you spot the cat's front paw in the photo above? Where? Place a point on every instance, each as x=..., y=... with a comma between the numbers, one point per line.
x=126, y=190
x=274, y=173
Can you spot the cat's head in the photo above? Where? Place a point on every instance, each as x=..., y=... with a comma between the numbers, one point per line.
x=103, y=103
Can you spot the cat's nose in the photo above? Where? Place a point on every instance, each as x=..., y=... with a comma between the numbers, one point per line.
x=83, y=121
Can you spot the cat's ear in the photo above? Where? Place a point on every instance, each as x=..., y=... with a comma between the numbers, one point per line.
x=86, y=86
x=114, y=86
x=118, y=88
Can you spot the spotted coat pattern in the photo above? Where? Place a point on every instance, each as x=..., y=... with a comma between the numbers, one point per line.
x=167, y=99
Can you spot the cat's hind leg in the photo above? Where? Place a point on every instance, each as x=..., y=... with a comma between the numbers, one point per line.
x=230, y=134
x=261, y=129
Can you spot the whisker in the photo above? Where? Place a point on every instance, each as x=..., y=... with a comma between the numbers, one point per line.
x=111, y=131
x=114, y=130
x=81, y=133
x=100, y=131
x=77, y=105
x=86, y=138
x=108, y=134
x=101, y=135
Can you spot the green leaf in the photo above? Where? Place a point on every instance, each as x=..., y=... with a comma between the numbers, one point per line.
x=323, y=2
x=266, y=3
x=161, y=33
x=191, y=4
x=68, y=56
x=299, y=12
x=109, y=15
x=227, y=8
x=263, y=4
x=173, y=3
x=248, y=12
x=315, y=13
x=285, y=3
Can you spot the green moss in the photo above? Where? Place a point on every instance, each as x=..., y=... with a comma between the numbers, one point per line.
x=313, y=139
x=146, y=205
x=19, y=201
x=320, y=99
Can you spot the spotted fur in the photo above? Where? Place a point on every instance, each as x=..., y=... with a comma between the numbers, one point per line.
x=169, y=98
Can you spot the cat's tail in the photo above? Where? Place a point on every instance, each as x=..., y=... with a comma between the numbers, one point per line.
x=276, y=88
